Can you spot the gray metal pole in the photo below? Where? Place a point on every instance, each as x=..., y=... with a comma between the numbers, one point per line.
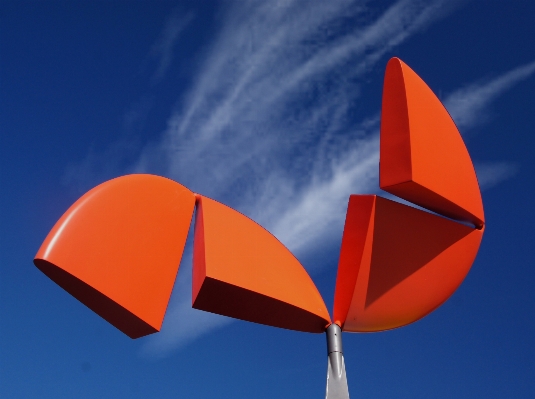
x=336, y=369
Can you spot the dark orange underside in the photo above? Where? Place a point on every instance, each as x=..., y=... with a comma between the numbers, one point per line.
x=106, y=308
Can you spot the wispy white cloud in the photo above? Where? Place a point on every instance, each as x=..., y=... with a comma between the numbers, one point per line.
x=490, y=174
x=267, y=126
x=468, y=106
x=317, y=211
x=240, y=123
x=164, y=46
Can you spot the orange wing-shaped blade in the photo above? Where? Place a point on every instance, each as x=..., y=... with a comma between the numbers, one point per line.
x=118, y=248
x=397, y=263
x=242, y=271
x=423, y=157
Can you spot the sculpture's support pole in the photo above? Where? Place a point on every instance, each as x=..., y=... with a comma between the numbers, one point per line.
x=336, y=369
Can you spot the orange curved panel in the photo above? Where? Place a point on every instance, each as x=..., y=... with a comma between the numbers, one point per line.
x=397, y=263
x=242, y=271
x=423, y=157
x=117, y=249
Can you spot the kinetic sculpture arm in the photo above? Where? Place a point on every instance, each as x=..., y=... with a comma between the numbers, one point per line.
x=118, y=248
x=242, y=271
x=398, y=263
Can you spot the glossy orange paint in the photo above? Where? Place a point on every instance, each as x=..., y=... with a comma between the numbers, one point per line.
x=118, y=248
x=397, y=263
x=423, y=157
x=242, y=271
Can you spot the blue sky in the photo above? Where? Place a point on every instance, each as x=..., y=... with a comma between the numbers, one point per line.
x=272, y=108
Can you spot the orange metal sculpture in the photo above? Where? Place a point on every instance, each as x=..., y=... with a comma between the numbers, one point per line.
x=397, y=263
x=423, y=156
x=241, y=270
x=118, y=248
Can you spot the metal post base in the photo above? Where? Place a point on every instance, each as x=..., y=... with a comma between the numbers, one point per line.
x=336, y=369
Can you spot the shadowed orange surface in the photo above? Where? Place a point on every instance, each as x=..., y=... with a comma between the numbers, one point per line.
x=118, y=248
x=242, y=271
x=423, y=157
x=397, y=263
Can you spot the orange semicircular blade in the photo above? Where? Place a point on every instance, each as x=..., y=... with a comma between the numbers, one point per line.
x=397, y=263
x=242, y=271
x=118, y=248
x=423, y=157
